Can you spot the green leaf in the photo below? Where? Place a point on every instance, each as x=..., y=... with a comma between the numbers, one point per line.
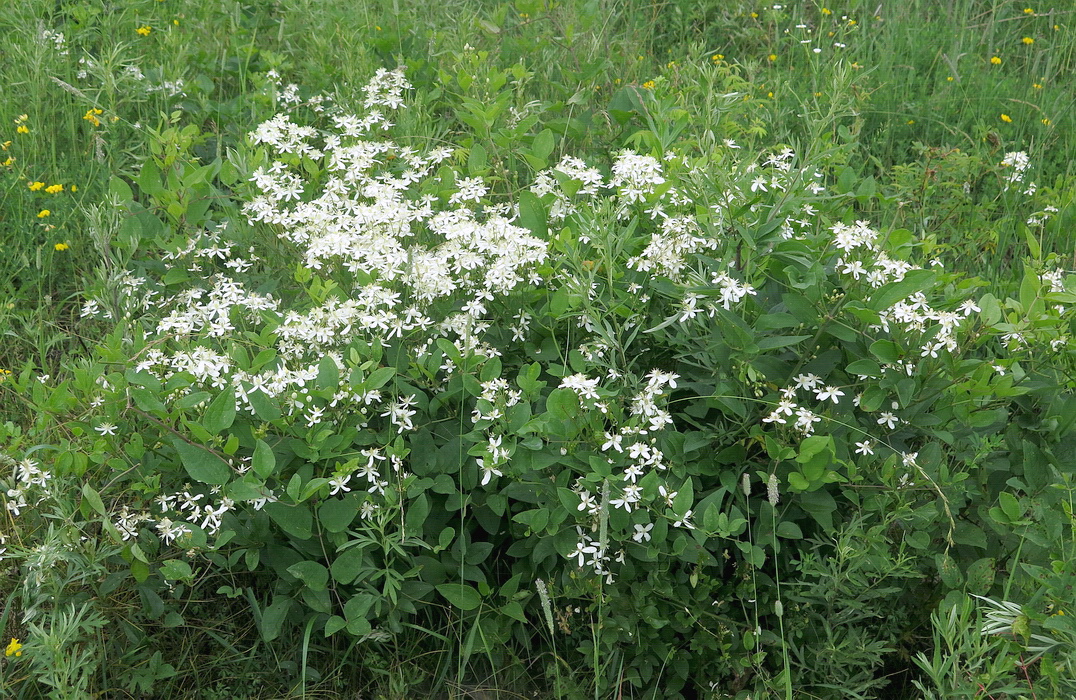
x=334, y=624
x=294, y=520
x=889, y=294
x=820, y=506
x=348, y=565
x=789, y=530
x=328, y=374
x=867, y=368
x=355, y=610
x=416, y=514
x=846, y=180
x=886, y=351
x=378, y=378
x=1011, y=506
x=335, y=514
x=460, y=595
x=192, y=400
x=561, y=403
x=515, y=611
x=543, y=144
x=476, y=160
x=1029, y=288
x=781, y=341
x=176, y=570
x=147, y=401
x=93, y=499
x=991, y=310
x=532, y=214
x=220, y=414
x=798, y=482
x=264, y=406
x=201, y=464
x=264, y=461
x=272, y=618
x=312, y=573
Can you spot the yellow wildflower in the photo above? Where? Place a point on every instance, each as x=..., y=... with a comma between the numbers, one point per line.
x=9, y=161
x=74, y=188
x=1006, y=118
x=144, y=30
x=818, y=94
x=22, y=129
x=754, y=15
x=1037, y=86
x=949, y=78
x=911, y=121
x=671, y=64
x=1028, y=40
x=718, y=57
x=54, y=189
x=14, y=648
x=43, y=213
x=4, y=145
x=649, y=85
x=826, y=11
x=995, y=60
x=91, y=116
x=769, y=94
x=35, y=186
x=1028, y=11
x=61, y=246
x=1046, y=122
x=772, y=57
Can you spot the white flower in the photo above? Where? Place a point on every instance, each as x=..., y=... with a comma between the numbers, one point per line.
x=807, y=381
x=582, y=549
x=865, y=448
x=830, y=392
x=642, y=532
x=339, y=483
x=888, y=419
x=487, y=471
x=613, y=441
x=106, y=429
x=685, y=521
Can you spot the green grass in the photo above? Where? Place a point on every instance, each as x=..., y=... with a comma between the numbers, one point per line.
x=907, y=89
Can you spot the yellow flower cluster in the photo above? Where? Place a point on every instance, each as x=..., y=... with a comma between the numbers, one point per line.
x=35, y=186
x=92, y=115
x=144, y=30
x=14, y=648
x=995, y=60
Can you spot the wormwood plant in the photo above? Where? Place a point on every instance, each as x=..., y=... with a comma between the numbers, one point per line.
x=735, y=433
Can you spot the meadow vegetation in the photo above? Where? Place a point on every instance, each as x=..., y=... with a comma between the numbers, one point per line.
x=582, y=349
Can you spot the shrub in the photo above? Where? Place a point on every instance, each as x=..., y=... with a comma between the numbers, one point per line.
x=676, y=417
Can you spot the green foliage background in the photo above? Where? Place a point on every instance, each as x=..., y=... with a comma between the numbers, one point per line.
x=866, y=573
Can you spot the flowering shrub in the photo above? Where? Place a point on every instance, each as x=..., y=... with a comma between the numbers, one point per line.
x=392, y=394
